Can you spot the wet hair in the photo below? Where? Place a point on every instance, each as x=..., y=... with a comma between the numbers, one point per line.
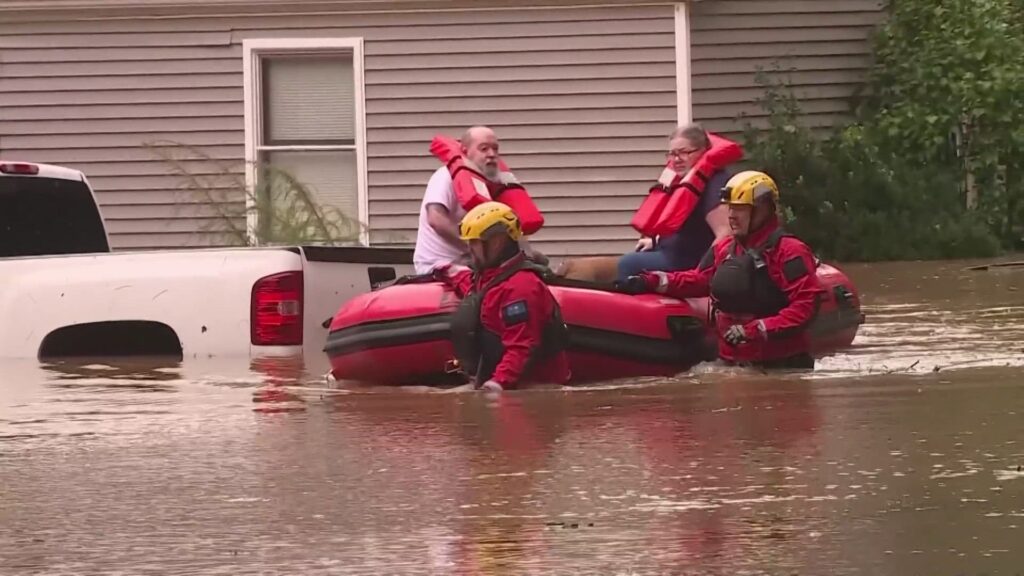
x=694, y=133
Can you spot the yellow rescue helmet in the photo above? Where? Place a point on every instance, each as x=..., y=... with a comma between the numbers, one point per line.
x=747, y=186
x=487, y=219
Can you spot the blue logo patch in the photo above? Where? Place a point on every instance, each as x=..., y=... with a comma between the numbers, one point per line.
x=515, y=313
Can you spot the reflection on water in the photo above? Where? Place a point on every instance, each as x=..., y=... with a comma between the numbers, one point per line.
x=873, y=465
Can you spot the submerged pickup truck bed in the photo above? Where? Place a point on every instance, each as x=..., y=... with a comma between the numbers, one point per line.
x=63, y=293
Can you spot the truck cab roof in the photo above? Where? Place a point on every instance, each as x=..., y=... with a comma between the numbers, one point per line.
x=48, y=210
x=22, y=168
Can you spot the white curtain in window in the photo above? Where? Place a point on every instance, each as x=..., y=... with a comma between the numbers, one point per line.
x=309, y=98
x=330, y=175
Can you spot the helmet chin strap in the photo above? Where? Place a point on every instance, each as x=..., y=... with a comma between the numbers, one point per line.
x=752, y=229
x=510, y=250
x=753, y=226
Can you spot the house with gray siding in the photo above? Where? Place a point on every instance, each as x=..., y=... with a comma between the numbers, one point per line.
x=347, y=94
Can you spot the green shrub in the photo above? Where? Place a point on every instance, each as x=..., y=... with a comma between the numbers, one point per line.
x=933, y=164
x=947, y=87
x=853, y=201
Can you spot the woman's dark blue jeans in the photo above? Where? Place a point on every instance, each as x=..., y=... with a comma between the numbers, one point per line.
x=637, y=262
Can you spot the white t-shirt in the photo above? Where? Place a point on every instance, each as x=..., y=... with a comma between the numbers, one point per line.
x=432, y=249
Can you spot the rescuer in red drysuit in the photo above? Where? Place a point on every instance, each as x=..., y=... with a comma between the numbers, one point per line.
x=762, y=281
x=508, y=328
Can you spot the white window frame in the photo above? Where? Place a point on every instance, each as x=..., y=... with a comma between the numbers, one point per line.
x=684, y=96
x=253, y=49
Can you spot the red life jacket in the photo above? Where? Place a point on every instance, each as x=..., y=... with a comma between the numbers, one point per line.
x=671, y=200
x=473, y=188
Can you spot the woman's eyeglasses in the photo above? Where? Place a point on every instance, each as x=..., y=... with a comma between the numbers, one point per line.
x=680, y=154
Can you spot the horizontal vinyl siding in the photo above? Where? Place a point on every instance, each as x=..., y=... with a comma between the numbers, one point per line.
x=44, y=10
x=821, y=47
x=581, y=98
x=93, y=101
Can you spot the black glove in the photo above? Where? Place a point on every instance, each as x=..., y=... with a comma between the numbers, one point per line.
x=632, y=285
x=736, y=335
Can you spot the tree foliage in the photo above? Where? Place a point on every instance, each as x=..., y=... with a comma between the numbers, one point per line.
x=947, y=87
x=850, y=200
x=943, y=116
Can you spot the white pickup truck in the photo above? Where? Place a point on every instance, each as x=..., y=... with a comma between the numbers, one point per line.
x=63, y=293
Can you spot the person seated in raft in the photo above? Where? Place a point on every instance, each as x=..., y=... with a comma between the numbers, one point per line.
x=508, y=329
x=762, y=281
x=437, y=235
x=707, y=222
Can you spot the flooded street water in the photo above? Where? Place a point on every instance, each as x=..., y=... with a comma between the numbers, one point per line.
x=902, y=456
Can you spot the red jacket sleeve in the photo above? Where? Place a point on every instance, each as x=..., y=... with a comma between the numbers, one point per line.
x=521, y=307
x=693, y=283
x=460, y=281
x=795, y=274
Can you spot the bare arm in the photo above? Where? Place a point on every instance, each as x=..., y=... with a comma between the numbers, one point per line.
x=441, y=221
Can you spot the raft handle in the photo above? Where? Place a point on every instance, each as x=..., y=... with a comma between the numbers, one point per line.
x=684, y=327
x=843, y=296
x=379, y=275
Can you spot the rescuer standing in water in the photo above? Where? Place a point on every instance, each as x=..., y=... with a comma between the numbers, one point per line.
x=762, y=281
x=508, y=328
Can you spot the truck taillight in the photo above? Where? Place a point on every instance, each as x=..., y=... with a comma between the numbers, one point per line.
x=276, y=318
x=23, y=168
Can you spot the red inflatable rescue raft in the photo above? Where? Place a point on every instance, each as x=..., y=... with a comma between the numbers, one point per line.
x=400, y=334
x=673, y=197
x=473, y=188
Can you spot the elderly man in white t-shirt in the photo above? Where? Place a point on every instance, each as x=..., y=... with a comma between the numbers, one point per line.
x=437, y=239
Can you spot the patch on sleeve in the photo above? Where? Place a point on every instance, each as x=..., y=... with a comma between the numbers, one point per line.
x=515, y=313
x=794, y=269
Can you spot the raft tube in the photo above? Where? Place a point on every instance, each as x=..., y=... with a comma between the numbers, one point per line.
x=401, y=335
x=839, y=316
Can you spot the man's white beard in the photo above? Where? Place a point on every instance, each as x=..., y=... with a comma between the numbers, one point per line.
x=491, y=172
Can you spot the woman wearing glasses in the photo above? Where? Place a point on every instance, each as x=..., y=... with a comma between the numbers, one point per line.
x=692, y=219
